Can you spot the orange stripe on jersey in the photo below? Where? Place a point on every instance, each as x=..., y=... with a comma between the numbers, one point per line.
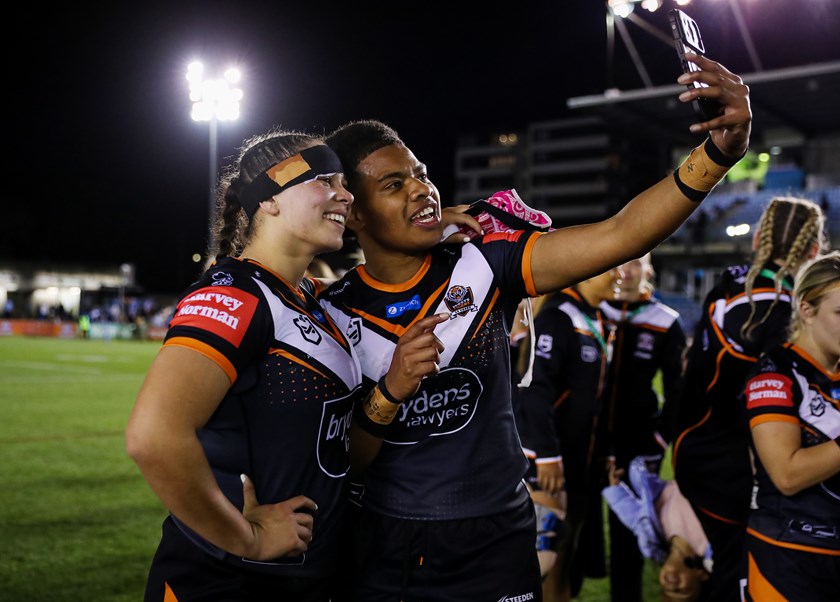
x=758, y=586
x=317, y=286
x=773, y=418
x=719, y=517
x=427, y=306
x=294, y=289
x=682, y=436
x=647, y=326
x=755, y=291
x=573, y=293
x=807, y=356
x=396, y=329
x=792, y=546
x=486, y=313
x=527, y=275
x=562, y=398
x=168, y=594
x=295, y=359
x=207, y=351
x=395, y=288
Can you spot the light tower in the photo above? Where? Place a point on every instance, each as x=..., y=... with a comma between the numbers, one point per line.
x=213, y=100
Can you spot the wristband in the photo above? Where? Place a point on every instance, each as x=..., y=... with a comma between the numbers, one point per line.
x=386, y=393
x=375, y=414
x=702, y=170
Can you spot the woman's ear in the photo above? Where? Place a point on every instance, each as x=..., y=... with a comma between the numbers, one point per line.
x=270, y=206
x=806, y=310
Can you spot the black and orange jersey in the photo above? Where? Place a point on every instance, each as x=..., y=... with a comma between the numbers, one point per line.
x=711, y=453
x=788, y=385
x=294, y=378
x=559, y=409
x=649, y=338
x=452, y=451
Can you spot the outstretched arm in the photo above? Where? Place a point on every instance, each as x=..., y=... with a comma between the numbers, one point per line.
x=572, y=254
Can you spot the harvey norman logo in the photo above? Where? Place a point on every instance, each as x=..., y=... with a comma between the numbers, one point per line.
x=215, y=306
x=223, y=311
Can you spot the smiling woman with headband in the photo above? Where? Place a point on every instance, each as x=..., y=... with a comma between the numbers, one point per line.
x=241, y=424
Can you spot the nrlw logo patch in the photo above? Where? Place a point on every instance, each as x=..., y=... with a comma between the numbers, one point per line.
x=459, y=300
x=222, y=279
x=397, y=309
x=354, y=331
x=444, y=405
x=308, y=330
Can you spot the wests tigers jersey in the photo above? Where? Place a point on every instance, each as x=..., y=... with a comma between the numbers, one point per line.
x=648, y=338
x=452, y=451
x=294, y=379
x=711, y=453
x=789, y=386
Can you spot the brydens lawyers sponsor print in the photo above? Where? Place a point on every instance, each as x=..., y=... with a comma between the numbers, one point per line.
x=224, y=311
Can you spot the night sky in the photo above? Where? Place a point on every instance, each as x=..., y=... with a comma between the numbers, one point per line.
x=105, y=166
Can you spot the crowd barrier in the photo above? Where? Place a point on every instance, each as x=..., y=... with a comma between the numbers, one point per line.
x=69, y=330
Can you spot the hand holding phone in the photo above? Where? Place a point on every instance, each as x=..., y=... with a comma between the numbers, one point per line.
x=687, y=38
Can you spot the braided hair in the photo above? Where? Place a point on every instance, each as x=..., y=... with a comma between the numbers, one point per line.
x=788, y=229
x=233, y=229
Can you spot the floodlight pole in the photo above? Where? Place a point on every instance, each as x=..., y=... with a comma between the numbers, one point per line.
x=214, y=170
x=213, y=100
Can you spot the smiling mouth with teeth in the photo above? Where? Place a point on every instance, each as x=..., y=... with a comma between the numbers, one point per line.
x=424, y=216
x=335, y=217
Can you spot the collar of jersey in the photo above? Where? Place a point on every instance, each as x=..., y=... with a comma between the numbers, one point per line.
x=400, y=286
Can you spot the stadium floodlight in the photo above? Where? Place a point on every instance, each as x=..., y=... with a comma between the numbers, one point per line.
x=737, y=230
x=623, y=8
x=213, y=100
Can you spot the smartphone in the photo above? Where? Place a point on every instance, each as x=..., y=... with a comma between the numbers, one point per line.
x=687, y=38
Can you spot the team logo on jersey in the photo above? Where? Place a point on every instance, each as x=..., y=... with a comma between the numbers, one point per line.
x=769, y=390
x=459, y=300
x=222, y=279
x=588, y=354
x=333, y=437
x=354, y=331
x=444, y=405
x=397, y=309
x=817, y=404
x=645, y=341
x=308, y=330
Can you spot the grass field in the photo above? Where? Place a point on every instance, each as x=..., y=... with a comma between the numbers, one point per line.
x=77, y=521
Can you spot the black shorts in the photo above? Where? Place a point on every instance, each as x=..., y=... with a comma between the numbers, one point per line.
x=489, y=558
x=783, y=573
x=193, y=575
